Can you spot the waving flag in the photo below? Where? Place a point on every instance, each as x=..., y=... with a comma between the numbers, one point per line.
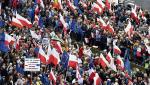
x=97, y=80
x=109, y=28
x=91, y=74
x=40, y=2
x=65, y=25
x=96, y=8
x=16, y=22
x=36, y=19
x=116, y=49
x=102, y=23
x=112, y=65
x=70, y=5
x=54, y=57
x=129, y=29
x=57, y=46
x=78, y=76
x=34, y=35
x=108, y=4
x=17, y=44
x=37, y=10
x=24, y=21
x=42, y=55
x=7, y=39
x=127, y=62
x=120, y=62
x=101, y=4
x=104, y=63
x=73, y=61
x=134, y=15
x=109, y=57
x=142, y=14
x=52, y=77
x=64, y=60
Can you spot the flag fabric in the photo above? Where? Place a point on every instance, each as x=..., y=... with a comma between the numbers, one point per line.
x=129, y=29
x=109, y=28
x=16, y=22
x=60, y=4
x=34, y=35
x=55, y=37
x=57, y=46
x=64, y=60
x=24, y=21
x=78, y=76
x=103, y=62
x=52, y=77
x=73, y=61
x=134, y=15
x=101, y=4
x=97, y=80
x=112, y=65
x=54, y=57
x=37, y=10
x=17, y=44
x=76, y=2
x=96, y=8
x=41, y=22
x=102, y=23
x=3, y=47
x=36, y=19
x=120, y=62
x=70, y=5
x=7, y=39
x=91, y=74
x=65, y=25
x=109, y=57
x=40, y=2
x=127, y=62
x=42, y=55
x=108, y=4
x=116, y=50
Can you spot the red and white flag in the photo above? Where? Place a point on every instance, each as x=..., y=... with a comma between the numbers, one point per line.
x=34, y=35
x=60, y=4
x=116, y=50
x=134, y=15
x=97, y=79
x=104, y=63
x=108, y=4
x=73, y=61
x=41, y=3
x=52, y=77
x=42, y=55
x=37, y=10
x=129, y=29
x=65, y=25
x=96, y=8
x=142, y=14
x=17, y=44
x=53, y=57
x=36, y=19
x=70, y=5
x=109, y=57
x=9, y=39
x=24, y=21
x=16, y=22
x=100, y=3
x=91, y=74
x=57, y=46
x=78, y=76
x=102, y=23
x=120, y=62
x=112, y=65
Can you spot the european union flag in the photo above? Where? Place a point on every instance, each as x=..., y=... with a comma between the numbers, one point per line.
x=64, y=60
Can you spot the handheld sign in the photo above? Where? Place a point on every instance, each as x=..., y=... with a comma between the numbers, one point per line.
x=32, y=64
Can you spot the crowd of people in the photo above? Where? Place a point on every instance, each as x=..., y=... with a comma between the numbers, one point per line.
x=80, y=30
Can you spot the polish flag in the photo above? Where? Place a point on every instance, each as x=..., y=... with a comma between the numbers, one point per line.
x=109, y=28
x=57, y=46
x=142, y=14
x=83, y=4
x=71, y=5
x=52, y=77
x=9, y=39
x=91, y=74
x=102, y=23
x=73, y=61
x=129, y=29
x=108, y=4
x=65, y=25
x=42, y=55
x=120, y=62
x=37, y=10
x=138, y=53
x=41, y=3
x=97, y=79
x=96, y=8
x=104, y=63
x=16, y=22
x=117, y=50
x=60, y=4
x=78, y=76
x=24, y=21
x=112, y=65
x=134, y=15
x=109, y=57
x=100, y=3
x=36, y=19
x=54, y=57
x=34, y=35
x=17, y=45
